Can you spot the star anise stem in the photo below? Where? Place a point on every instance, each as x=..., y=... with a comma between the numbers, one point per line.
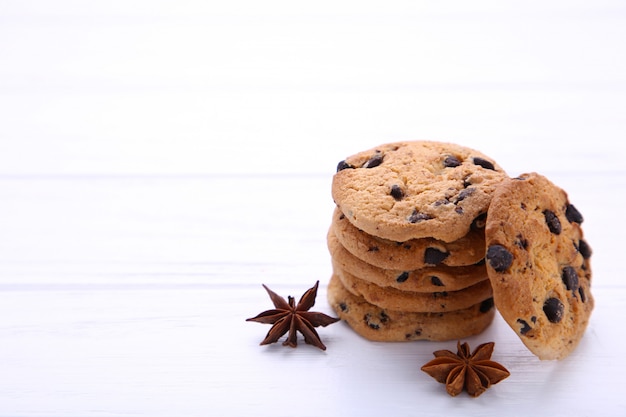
x=289, y=317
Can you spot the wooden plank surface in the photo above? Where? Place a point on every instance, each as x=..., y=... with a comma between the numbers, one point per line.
x=160, y=161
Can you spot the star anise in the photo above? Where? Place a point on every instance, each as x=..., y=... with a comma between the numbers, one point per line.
x=475, y=372
x=292, y=318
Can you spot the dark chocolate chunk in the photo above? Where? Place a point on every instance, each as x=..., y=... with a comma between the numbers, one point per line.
x=486, y=305
x=525, y=326
x=374, y=161
x=396, y=192
x=368, y=320
x=553, y=309
x=573, y=215
x=483, y=163
x=416, y=216
x=583, y=297
x=434, y=256
x=499, y=258
x=584, y=249
x=521, y=241
x=402, y=277
x=376, y=322
x=451, y=162
x=553, y=222
x=436, y=281
x=373, y=249
x=343, y=165
x=465, y=193
x=384, y=318
x=570, y=278
x=343, y=307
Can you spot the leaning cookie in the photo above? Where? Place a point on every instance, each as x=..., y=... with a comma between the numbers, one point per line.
x=413, y=190
x=422, y=302
x=428, y=279
x=414, y=253
x=383, y=325
x=538, y=265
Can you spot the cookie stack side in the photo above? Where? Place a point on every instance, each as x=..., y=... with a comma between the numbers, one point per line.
x=407, y=241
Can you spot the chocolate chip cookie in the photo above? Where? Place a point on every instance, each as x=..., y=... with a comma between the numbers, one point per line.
x=412, y=190
x=428, y=279
x=411, y=254
x=394, y=299
x=384, y=325
x=539, y=264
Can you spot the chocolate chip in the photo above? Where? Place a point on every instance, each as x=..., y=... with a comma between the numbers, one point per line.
x=343, y=307
x=396, y=192
x=436, y=281
x=583, y=297
x=434, y=256
x=525, y=326
x=521, y=241
x=402, y=277
x=373, y=249
x=499, y=258
x=486, y=305
x=368, y=320
x=439, y=294
x=553, y=309
x=416, y=216
x=464, y=194
x=451, y=162
x=484, y=163
x=573, y=215
x=384, y=318
x=584, y=249
x=553, y=222
x=374, y=161
x=343, y=165
x=570, y=278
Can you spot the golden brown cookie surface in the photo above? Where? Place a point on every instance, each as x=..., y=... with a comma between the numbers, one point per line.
x=538, y=265
x=428, y=279
x=423, y=302
x=411, y=254
x=384, y=325
x=411, y=190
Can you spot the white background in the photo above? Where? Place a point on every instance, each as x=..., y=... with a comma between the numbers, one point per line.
x=160, y=160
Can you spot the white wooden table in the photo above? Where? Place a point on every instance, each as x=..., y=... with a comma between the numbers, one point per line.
x=159, y=161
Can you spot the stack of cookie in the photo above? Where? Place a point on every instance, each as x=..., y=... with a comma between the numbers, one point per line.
x=407, y=241
x=429, y=238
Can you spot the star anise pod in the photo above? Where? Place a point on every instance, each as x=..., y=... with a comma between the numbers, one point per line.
x=475, y=372
x=292, y=318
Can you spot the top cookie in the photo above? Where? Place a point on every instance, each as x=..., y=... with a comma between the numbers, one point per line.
x=410, y=190
x=538, y=264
